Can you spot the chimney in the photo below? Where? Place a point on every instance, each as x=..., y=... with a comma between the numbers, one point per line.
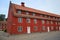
x=22, y=4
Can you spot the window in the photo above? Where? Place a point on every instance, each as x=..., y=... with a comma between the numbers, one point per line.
x=33, y=14
x=47, y=22
x=56, y=27
x=43, y=27
x=35, y=28
x=56, y=22
x=35, y=21
x=20, y=29
x=59, y=23
x=20, y=19
x=52, y=27
x=51, y=22
x=43, y=21
x=28, y=20
x=19, y=11
x=48, y=16
x=27, y=13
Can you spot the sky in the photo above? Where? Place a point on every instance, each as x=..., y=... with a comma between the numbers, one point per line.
x=52, y=6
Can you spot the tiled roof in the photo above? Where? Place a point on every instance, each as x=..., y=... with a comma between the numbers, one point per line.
x=33, y=10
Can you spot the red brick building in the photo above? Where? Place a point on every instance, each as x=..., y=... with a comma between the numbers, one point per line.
x=22, y=19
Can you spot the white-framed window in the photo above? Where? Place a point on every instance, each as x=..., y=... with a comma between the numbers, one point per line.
x=35, y=21
x=33, y=14
x=51, y=22
x=19, y=11
x=28, y=20
x=52, y=27
x=56, y=27
x=48, y=16
x=56, y=22
x=43, y=21
x=20, y=29
x=27, y=13
x=35, y=28
x=20, y=19
x=43, y=28
x=47, y=22
x=59, y=23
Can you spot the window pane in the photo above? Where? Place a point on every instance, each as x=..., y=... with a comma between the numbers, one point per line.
x=43, y=27
x=20, y=19
x=19, y=11
x=28, y=20
x=35, y=28
x=27, y=13
x=51, y=22
x=52, y=27
x=20, y=29
x=43, y=21
x=33, y=14
x=47, y=22
x=35, y=21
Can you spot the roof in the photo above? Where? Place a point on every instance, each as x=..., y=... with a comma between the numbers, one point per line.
x=33, y=10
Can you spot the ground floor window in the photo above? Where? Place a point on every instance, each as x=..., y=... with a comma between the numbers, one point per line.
x=35, y=28
x=43, y=27
x=20, y=28
x=52, y=27
x=56, y=27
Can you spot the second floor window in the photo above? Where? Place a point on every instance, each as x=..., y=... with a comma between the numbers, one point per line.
x=28, y=20
x=47, y=22
x=35, y=21
x=20, y=19
x=52, y=27
x=43, y=27
x=51, y=22
x=33, y=14
x=43, y=21
x=56, y=22
x=19, y=11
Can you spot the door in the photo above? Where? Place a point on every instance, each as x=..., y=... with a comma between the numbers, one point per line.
x=48, y=29
x=28, y=29
x=59, y=28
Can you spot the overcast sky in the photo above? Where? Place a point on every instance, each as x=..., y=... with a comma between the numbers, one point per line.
x=52, y=6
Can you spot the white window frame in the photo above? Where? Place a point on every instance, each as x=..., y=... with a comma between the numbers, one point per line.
x=27, y=13
x=51, y=22
x=20, y=19
x=19, y=11
x=20, y=28
x=52, y=27
x=35, y=28
x=28, y=20
x=43, y=28
x=35, y=21
x=43, y=21
x=47, y=22
x=33, y=14
x=56, y=23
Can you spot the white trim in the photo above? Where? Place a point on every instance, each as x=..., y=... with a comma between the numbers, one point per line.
x=28, y=30
x=48, y=29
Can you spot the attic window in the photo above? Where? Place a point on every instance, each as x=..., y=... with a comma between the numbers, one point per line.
x=18, y=11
